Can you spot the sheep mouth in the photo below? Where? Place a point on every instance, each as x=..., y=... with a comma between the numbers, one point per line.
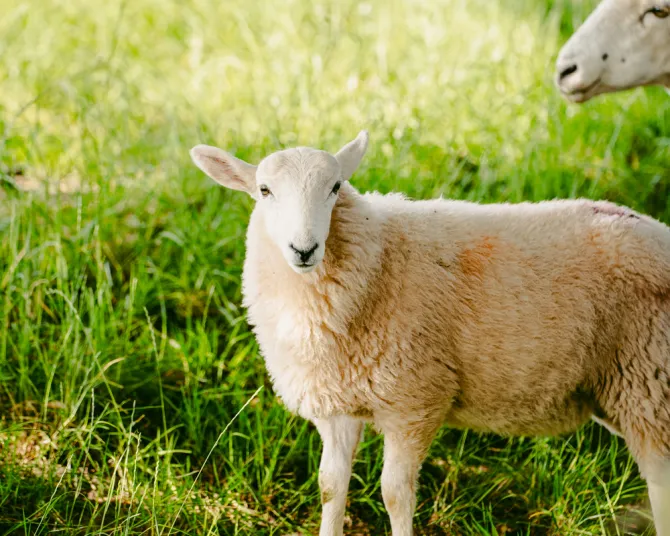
x=584, y=93
x=304, y=267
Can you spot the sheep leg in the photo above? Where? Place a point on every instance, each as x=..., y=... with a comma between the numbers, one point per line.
x=340, y=436
x=403, y=455
x=658, y=484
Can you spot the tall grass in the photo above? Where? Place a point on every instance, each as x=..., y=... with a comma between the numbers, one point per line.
x=124, y=352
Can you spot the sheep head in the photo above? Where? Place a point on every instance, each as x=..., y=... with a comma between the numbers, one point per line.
x=623, y=44
x=295, y=189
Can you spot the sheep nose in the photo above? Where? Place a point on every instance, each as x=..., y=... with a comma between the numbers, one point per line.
x=304, y=254
x=567, y=71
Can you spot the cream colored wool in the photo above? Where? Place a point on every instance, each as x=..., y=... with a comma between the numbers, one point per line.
x=623, y=44
x=523, y=319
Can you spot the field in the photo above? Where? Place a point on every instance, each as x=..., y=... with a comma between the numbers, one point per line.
x=129, y=380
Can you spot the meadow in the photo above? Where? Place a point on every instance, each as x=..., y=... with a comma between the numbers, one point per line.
x=133, y=399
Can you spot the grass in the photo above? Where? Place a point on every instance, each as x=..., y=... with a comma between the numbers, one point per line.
x=125, y=358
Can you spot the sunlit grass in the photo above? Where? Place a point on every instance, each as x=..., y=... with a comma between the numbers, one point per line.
x=124, y=352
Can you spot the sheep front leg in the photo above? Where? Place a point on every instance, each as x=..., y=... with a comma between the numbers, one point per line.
x=658, y=484
x=403, y=455
x=340, y=436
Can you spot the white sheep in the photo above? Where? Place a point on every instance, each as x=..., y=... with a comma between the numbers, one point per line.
x=623, y=44
x=517, y=319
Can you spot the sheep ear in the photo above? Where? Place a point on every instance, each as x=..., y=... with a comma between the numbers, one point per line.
x=350, y=156
x=224, y=168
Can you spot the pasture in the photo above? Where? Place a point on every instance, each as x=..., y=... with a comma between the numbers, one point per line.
x=129, y=380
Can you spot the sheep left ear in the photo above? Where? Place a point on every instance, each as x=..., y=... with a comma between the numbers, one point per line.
x=350, y=156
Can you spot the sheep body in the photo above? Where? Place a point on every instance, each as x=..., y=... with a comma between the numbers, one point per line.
x=505, y=318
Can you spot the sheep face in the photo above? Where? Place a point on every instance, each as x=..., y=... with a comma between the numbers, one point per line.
x=295, y=192
x=298, y=189
x=623, y=44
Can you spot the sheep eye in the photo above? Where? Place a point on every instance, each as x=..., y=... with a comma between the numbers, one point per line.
x=265, y=191
x=336, y=188
x=659, y=12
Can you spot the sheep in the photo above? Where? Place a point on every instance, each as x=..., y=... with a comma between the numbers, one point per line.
x=517, y=319
x=623, y=44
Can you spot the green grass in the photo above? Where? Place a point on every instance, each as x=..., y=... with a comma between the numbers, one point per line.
x=124, y=353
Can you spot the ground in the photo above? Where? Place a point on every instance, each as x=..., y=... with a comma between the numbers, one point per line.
x=124, y=353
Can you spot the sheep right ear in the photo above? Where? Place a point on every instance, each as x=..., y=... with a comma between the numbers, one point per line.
x=225, y=169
